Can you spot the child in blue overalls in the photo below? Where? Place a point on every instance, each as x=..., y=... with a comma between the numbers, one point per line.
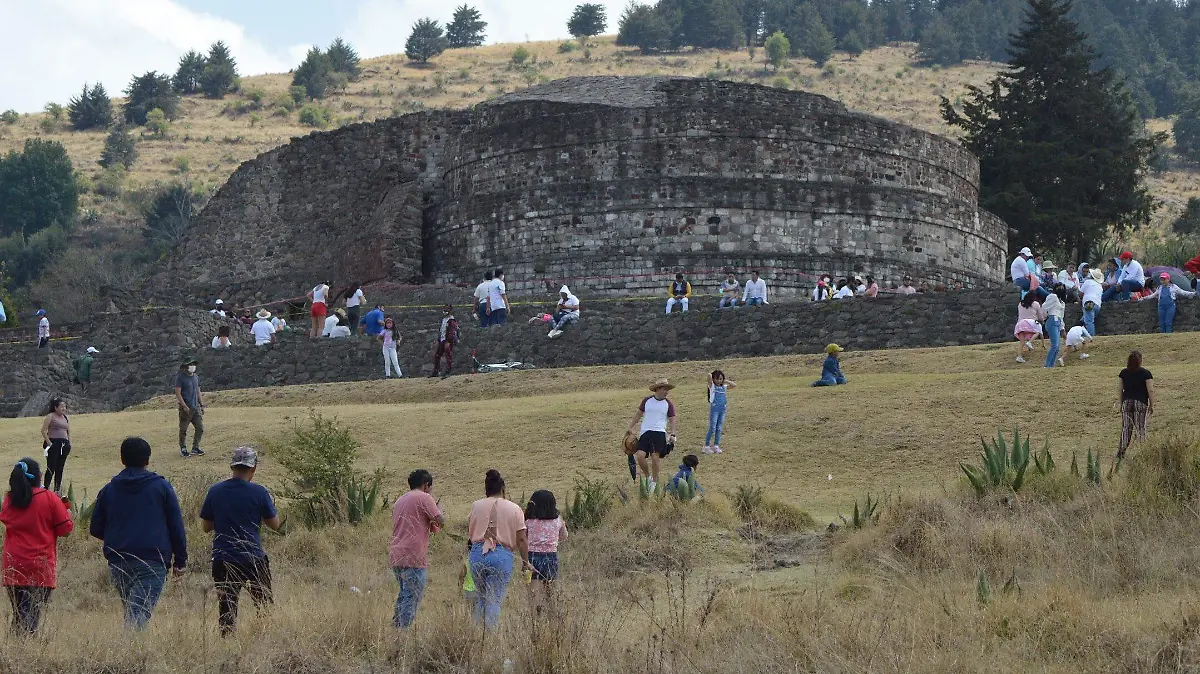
x=831, y=371
x=718, y=391
x=1167, y=293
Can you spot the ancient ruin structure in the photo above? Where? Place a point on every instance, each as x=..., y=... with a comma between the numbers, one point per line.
x=609, y=183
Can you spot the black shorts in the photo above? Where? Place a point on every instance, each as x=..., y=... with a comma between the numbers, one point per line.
x=654, y=442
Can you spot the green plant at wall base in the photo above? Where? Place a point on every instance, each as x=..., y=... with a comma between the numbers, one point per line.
x=81, y=511
x=865, y=516
x=1001, y=467
x=686, y=491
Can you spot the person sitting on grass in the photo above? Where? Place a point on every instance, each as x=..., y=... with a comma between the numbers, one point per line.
x=831, y=371
x=1077, y=340
x=687, y=470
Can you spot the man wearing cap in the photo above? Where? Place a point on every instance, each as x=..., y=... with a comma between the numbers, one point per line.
x=43, y=333
x=1019, y=272
x=187, y=399
x=755, y=292
x=1131, y=279
x=263, y=331
x=566, y=314
x=446, y=339
x=218, y=309
x=1167, y=293
x=83, y=368
x=831, y=370
x=234, y=512
x=657, y=437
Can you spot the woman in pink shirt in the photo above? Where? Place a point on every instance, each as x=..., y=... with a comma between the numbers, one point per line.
x=544, y=529
x=497, y=529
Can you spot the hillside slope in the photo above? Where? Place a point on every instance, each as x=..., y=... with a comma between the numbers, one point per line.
x=212, y=137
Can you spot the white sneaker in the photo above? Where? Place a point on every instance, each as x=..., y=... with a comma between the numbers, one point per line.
x=716, y=449
x=651, y=485
x=1062, y=363
x=1020, y=359
x=554, y=334
x=708, y=449
x=1083, y=356
x=1029, y=345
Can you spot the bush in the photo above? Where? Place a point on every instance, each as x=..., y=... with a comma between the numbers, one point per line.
x=778, y=47
x=9, y=117
x=111, y=181
x=567, y=47
x=55, y=111
x=590, y=502
x=156, y=122
x=753, y=507
x=120, y=147
x=315, y=115
x=519, y=56
x=299, y=95
x=255, y=95
x=1167, y=470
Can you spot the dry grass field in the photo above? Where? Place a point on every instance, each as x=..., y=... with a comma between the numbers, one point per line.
x=1103, y=579
x=212, y=138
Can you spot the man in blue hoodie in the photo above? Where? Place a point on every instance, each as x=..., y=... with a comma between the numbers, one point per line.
x=137, y=516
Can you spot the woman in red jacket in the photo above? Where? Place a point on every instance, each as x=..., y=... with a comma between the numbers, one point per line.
x=33, y=518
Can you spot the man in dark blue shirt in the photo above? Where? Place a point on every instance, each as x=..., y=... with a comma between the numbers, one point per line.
x=372, y=323
x=235, y=510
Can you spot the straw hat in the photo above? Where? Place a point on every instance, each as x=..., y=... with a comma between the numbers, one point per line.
x=1048, y=265
x=629, y=444
x=263, y=314
x=662, y=383
x=833, y=348
x=1097, y=275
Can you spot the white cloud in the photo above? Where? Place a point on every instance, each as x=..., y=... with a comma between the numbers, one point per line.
x=381, y=26
x=51, y=47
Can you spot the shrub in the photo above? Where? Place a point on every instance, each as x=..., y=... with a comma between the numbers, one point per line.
x=778, y=47
x=314, y=115
x=567, y=47
x=9, y=116
x=55, y=111
x=156, y=122
x=1167, y=469
x=590, y=502
x=754, y=507
x=519, y=56
x=47, y=124
x=120, y=147
x=781, y=82
x=255, y=95
x=255, y=119
x=182, y=164
x=867, y=515
x=299, y=95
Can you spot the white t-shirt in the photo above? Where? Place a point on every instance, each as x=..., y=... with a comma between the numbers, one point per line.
x=1092, y=291
x=339, y=331
x=1133, y=272
x=44, y=327
x=496, y=293
x=1019, y=269
x=278, y=323
x=1077, y=335
x=262, y=331
x=481, y=292
x=220, y=313
x=844, y=292
x=319, y=293
x=756, y=289
x=218, y=344
x=331, y=322
x=355, y=299
x=655, y=413
x=1068, y=279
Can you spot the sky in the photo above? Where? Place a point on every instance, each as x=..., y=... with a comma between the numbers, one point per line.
x=50, y=48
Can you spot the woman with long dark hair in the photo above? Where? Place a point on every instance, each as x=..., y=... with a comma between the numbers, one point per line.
x=1029, y=324
x=1135, y=399
x=33, y=520
x=1055, y=308
x=56, y=440
x=497, y=529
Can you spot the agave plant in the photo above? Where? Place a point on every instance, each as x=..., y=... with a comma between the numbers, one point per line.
x=362, y=499
x=81, y=511
x=1093, y=467
x=865, y=516
x=1043, y=462
x=1001, y=467
x=686, y=490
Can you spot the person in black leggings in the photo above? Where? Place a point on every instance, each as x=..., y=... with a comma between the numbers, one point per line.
x=56, y=439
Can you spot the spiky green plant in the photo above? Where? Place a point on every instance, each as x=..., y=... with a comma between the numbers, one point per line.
x=1043, y=462
x=1012, y=584
x=1001, y=467
x=362, y=499
x=590, y=502
x=685, y=491
x=1093, y=467
x=81, y=511
x=1075, y=464
x=747, y=499
x=865, y=516
x=983, y=589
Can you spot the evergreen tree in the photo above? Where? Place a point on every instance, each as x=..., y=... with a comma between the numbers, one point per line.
x=466, y=29
x=220, y=74
x=37, y=188
x=147, y=92
x=642, y=26
x=344, y=59
x=91, y=109
x=1188, y=222
x=897, y=25
x=588, y=20
x=1186, y=130
x=814, y=40
x=852, y=43
x=426, y=41
x=1060, y=147
x=191, y=69
x=939, y=44
x=120, y=147
x=778, y=47
x=314, y=73
x=751, y=13
x=711, y=24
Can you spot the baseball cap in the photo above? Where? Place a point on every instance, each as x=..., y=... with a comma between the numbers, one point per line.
x=244, y=456
x=220, y=302
x=833, y=348
x=92, y=349
x=1165, y=275
x=1026, y=252
x=1127, y=255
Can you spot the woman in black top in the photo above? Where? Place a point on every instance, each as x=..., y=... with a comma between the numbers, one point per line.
x=1135, y=398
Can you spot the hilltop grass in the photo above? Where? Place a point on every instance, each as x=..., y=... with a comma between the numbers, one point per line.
x=211, y=138
x=1098, y=579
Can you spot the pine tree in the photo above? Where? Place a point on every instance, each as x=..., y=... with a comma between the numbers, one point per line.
x=147, y=92
x=220, y=74
x=1188, y=222
x=343, y=59
x=852, y=43
x=588, y=20
x=711, y=24
x=1186, y=130
x=38, y=188
x=91, y=109
x=120, y=147
x=814, y=39
x=314, y=73
x=191, y=69
x=778, y=47
x=426, y=41
x=466, y=29
x=642, y=26
x=1061, y=150
x=939, y=44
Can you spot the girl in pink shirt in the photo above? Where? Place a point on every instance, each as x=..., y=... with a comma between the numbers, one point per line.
x=544, y=530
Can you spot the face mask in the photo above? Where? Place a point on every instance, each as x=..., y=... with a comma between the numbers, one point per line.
x=191, y=369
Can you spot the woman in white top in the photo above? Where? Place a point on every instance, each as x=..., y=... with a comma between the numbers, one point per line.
x=319, y=296
x=221, y=341
x=1055, y=308
x=354, y=302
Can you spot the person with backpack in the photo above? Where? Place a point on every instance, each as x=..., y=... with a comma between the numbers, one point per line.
x=34, y=519
x=447, y=338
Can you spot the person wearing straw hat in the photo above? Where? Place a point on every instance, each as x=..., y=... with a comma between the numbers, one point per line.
x=657, y=438
x=1093, y=294
x=263, y=331
x=1167, y=293
x=1049, y=275
x=831, y=370
x=191, y=411
x=234, y=511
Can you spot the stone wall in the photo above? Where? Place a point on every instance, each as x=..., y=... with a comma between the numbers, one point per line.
x=141, y=352
x=610, y=183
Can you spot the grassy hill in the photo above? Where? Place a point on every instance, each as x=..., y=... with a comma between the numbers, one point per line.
x=212, y=137
x=1102, y=579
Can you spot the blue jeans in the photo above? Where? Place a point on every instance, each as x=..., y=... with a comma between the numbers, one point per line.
x=1166, y=318
x=139, y=584
x=498, y=317
x=562, y=319
x=1121, y=290
x=492, y=573
x=412, y=589
x=1054, y=332
x=716, y=423
x=754, y=302
x=1089, y=318
x=481, y=309
x=1023, y=286
x=829, y=381
x=727, y=302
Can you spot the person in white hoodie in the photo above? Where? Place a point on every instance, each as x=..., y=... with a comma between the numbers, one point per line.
x=567, y=312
